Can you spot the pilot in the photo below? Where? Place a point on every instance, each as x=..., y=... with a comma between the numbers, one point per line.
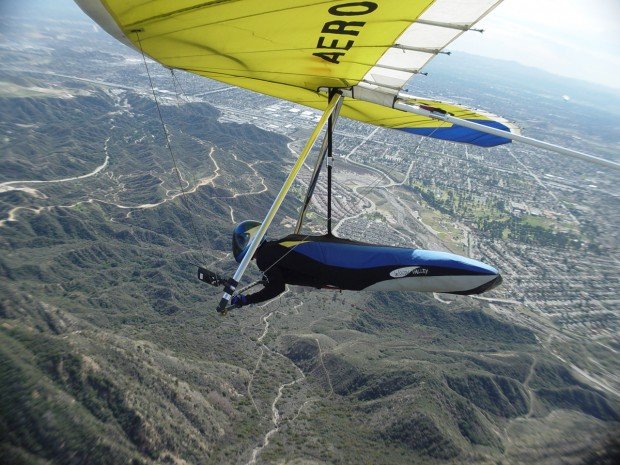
x=330, y=262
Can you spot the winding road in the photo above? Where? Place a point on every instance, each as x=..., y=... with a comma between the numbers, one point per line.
x=276, y=418
x=8, y=186
x=170, y=195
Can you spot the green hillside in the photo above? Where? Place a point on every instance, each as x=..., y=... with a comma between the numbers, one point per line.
x=111, y=351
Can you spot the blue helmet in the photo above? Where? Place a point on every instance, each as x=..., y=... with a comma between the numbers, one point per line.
x=242, y=237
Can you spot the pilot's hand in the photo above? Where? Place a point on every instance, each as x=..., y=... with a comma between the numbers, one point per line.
x=238, y=301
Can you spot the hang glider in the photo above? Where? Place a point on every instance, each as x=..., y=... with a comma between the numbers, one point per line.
x=351, y=57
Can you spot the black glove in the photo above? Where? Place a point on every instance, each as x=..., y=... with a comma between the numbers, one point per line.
x=238, y=301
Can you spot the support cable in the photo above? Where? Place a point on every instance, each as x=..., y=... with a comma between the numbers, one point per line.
x=182, y=95
x=330, y=159
x=169, y=146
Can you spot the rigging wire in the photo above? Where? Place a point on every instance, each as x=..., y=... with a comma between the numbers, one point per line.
x=169, y=146
x=375, y=184
x=178, y=95
x=183, y=95
x=186, y=100
x=176, y=82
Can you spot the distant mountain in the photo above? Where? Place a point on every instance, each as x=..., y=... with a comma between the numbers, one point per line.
x=462, y=69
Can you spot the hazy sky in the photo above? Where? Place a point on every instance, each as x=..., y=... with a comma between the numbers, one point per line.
x=575, y=38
